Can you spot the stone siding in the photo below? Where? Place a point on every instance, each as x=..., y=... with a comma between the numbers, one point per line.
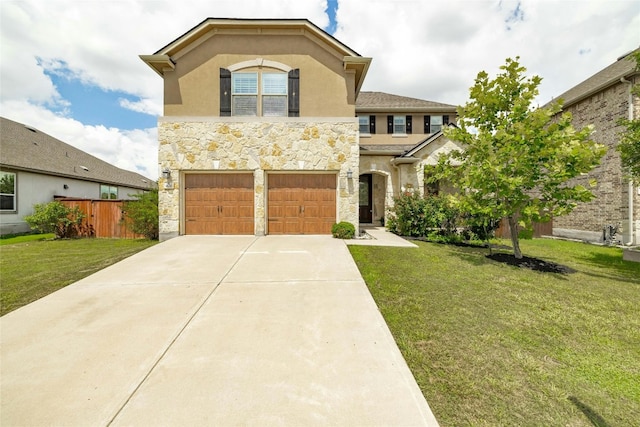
x=612, y=190
x=384, y=182
x=254, y=145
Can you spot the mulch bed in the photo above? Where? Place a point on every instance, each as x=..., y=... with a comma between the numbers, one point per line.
x=534, y=264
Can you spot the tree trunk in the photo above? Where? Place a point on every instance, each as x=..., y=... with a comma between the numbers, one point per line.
x=513, y=228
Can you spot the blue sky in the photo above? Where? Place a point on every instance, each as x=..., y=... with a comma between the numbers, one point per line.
x=71, y=68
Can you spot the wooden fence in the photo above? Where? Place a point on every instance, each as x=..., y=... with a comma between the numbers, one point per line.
x=539, y=229
x=103, y=218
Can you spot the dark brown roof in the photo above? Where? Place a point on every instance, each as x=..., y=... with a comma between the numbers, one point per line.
x=625, y=66
x=382, y=102
x=26, y=148
x=394, y=149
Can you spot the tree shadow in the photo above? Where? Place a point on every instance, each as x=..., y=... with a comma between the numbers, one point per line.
x=621, y=270
x=535, y=264
x=592, y=415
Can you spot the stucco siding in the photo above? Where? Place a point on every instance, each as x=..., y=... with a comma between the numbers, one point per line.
x=193, y=88
x=33, y=188
x=233, y=144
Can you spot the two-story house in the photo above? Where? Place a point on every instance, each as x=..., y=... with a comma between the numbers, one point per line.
x=398, y=137
x=265, y=131
x=602, y=100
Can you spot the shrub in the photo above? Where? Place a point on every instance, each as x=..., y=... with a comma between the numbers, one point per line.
x=54, y=217
x=141, y=214
x=479, y=227
x=343, y=230
x=417, y=216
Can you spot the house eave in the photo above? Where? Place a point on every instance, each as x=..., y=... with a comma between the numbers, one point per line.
x=360, y=65
x=77, y=177
x=405, y=110
x=159, y=63
x=404, y=160
x=381, y=153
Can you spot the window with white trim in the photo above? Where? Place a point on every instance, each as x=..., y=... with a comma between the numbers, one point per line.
x=363, y=122
x=399, y=125
x=436, y=124
x=268, y=99
x=108, y=191
x=7, y=191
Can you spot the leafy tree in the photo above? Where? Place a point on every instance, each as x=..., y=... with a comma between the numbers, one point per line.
x=517, y=160
x=142, y=214
x=55, y=217
x=629, y=145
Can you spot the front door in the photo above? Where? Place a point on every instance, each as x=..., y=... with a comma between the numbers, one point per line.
x=366, y=201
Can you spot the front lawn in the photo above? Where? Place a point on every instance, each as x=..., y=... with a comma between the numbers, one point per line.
x=32, y=269
x=491, y=344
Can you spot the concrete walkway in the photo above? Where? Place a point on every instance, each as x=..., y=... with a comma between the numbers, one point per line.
x=204, y=330
x=379, y=236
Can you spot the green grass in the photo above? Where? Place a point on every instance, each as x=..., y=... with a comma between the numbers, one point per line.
x=491, y=344
x=32, y=269
x=12, y=240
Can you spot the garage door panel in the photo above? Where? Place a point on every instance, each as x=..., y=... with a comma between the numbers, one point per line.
x=219, y=204
x=301, y=203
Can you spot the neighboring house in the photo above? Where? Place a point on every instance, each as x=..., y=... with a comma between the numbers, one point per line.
x=260, y=134
x=35, y=168
x=602, y=100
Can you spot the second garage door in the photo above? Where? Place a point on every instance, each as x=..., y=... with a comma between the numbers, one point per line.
x=219, y=204
x=301, y=203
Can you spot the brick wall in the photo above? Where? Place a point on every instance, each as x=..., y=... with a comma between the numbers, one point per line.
x=612, y=191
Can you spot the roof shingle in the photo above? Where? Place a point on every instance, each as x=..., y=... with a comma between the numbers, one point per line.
x=623, y=67
x=381, y=101
x=25, y=148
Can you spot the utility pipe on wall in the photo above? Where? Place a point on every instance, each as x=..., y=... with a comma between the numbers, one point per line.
x=632, y=234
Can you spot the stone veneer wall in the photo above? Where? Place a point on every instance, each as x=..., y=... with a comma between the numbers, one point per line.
x=612, y=191
x=384, y=183
x=254, y=145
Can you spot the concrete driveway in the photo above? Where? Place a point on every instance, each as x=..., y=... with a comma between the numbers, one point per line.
x=208, y=330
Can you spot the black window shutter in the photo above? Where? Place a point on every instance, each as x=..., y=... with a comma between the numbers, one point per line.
x=445, y=120
x=294, y=93
x=389, y=124
x=225, y=92
x=409, y=123
x=372, y=124
x=427, y=124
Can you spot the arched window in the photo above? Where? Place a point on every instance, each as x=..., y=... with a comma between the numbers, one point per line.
x=259, y=88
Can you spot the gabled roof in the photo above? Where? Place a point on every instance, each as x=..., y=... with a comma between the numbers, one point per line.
x=26, y=148
x=386, y=102
x=625, y=66
x=163, y=58
x=419, y=146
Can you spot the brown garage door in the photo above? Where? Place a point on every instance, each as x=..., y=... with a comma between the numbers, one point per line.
x=301, y=203
x=219, y=204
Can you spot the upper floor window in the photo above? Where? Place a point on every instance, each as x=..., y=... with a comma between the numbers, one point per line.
x=7, y=191
x=108, y=191
x=363, y=122
x=433, y=124
x=399, y=124
x=436, y=124
x=259, y=93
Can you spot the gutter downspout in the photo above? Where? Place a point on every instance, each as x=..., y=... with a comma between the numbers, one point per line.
x=631, y=230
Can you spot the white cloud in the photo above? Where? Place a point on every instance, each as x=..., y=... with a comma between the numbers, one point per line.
x=98, y=43
x=430, y=50
x=147, y=106
x=434, y=50
x=134, y=150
